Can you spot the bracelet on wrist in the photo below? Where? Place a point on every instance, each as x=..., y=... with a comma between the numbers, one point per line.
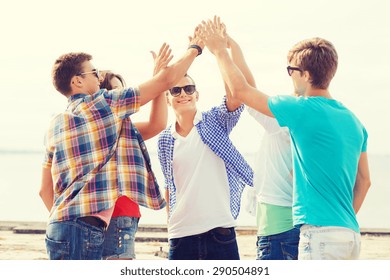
x=196, y=47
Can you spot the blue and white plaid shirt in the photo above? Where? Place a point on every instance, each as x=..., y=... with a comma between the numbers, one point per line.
x=214, y=128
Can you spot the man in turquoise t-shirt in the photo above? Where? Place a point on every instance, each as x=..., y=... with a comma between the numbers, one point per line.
x=331, y=174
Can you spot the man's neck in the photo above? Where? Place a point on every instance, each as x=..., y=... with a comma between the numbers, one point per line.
x=185, y=123
x=315, y=92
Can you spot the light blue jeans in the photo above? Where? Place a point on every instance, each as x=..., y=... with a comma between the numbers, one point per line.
x=74, y=240
x=328, y=243
x=119, y=240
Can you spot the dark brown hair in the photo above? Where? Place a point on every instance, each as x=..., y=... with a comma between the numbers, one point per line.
x=65, y=67
x=106, y=83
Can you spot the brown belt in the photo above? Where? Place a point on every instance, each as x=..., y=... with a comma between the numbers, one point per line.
x=93, y=221
x=222, y=231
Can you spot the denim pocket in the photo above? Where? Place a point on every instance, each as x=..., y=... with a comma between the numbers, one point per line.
x=175, y=243
x=57, y=250
x=223, y=238
x=335, y=250
x=290, y=250
x=263, y=249
x=125, y=222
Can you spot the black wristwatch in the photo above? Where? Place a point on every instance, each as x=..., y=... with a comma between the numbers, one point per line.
x=196, y=47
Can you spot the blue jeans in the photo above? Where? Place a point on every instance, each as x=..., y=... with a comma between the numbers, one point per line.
x=119, y=240
x=328, y=243
x=74, y=240
x=216, y=244
x=281, y=246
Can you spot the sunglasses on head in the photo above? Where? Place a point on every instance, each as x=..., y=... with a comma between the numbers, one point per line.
x=94, y=71
x=188, y=89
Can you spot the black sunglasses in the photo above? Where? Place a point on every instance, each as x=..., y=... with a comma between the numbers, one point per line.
x=94, y=71
x=188, y=89
x=291, y=69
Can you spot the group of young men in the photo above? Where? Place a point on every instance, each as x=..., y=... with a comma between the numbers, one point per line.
x=310, y=181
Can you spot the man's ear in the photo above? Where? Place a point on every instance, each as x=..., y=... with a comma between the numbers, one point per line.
x=197, y=96
x=306, y=76
x=76, y=81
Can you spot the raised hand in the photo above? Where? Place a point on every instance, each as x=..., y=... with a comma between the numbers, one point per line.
x=196, y=39
x=213, y=34
x=163, y=58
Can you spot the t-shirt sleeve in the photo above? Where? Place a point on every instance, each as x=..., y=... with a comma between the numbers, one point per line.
x=268, y=123
x=285, y=109
x=124, y=103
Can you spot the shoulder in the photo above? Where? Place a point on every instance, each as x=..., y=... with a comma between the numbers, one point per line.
x=165, y=135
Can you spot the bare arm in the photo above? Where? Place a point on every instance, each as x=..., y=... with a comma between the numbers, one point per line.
x=46, y=191
x=157, y=118
x=231, y=103
x=363, y=182
x=235, y=79
x=170, y=75
x=167, y=200
x=238, y=59
x=159, y=110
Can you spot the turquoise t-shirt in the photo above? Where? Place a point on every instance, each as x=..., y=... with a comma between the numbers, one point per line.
x=327, y=140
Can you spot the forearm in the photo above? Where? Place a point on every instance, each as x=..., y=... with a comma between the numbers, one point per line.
x=231, y=74
x=157, y=118
x=359, y=193
x=46, y=192
x=167, y=77
x=172, y=74
x=167, y=200
x=363, y=182
x=239, y=59
x=47, y=199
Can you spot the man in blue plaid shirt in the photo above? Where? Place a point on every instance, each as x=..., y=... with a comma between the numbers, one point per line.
x=204, y=174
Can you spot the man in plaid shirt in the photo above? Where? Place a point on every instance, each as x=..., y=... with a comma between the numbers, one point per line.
x=90, y=158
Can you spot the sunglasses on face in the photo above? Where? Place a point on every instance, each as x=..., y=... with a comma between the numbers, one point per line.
x=94, y=71
x=188, y=89
x=291, y=69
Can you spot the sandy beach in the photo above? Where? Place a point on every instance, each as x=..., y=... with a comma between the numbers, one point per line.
x=26, y=241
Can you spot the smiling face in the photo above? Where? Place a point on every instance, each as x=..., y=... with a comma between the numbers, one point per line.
x=184, y=102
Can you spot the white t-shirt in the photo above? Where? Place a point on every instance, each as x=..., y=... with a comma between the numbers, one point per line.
x=202, y=188
x=273, y=179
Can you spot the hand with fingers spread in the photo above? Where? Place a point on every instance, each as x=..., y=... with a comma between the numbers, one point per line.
x=213, y=34
x=162, y=59
x=196, y=41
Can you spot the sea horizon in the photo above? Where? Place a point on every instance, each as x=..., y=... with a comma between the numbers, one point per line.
x=20, y=174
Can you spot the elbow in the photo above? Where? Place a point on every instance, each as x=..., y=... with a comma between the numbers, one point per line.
x=368, y=183
x=157, y=128
x=160, y=127
x=238, y=92
x=364, y=184
x=160, y=123
x=41, y=194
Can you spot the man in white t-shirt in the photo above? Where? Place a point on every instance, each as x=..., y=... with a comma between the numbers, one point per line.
x=204, y=175
x=277, y=238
